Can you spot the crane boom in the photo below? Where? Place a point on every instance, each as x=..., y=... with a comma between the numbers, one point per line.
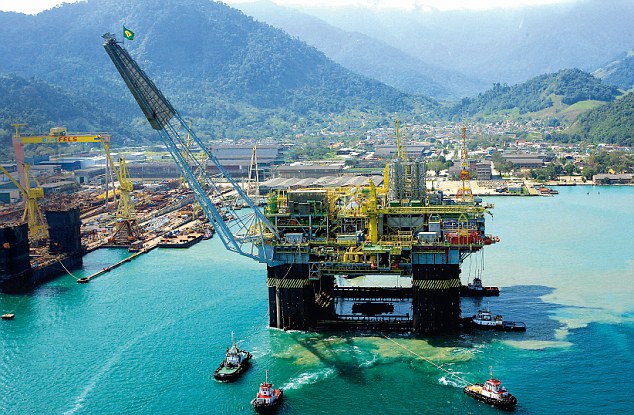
x=164, y=118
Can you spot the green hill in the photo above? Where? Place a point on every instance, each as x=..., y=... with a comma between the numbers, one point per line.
x=233, y=75
x=611, y=123
x=569, y=86
x=41, y=106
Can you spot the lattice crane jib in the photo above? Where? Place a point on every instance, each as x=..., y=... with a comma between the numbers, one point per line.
x=32, y=214
x=125, y=208
x=241, y=233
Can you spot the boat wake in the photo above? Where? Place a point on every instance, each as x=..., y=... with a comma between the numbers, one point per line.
x=371, y=362
x=114, y=359
x=308, y=379
x=116, y=356
x=449, y=381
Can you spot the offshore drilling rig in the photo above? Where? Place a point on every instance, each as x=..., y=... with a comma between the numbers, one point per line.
x=374, y=257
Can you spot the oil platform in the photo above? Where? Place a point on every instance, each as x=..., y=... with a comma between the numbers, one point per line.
x=383, y=257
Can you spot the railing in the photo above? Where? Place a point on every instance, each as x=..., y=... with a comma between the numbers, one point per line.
x=375, y=319
x=373, y=293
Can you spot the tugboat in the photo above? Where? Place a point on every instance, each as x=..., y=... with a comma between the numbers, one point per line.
x=476, y=289
x=268, y=399
x=236, y=361
x=493, y=393
x=484, y=320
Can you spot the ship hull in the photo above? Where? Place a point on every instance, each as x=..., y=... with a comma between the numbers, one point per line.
x=223, y=374
x=509, y=403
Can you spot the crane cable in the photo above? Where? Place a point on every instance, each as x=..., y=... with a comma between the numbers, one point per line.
x=66, y=269
x=428, y=361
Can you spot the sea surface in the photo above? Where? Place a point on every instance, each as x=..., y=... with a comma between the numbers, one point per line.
x=146, y=337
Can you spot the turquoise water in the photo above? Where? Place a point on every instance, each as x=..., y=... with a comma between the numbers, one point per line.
x=145, y=338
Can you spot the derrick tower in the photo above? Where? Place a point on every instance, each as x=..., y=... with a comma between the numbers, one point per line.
x=464, y=194
x=405, y=178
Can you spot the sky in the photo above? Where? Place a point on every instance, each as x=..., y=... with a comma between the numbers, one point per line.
x=36, y=6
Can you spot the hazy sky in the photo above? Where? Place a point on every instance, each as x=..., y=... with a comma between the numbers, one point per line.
x=36, y=6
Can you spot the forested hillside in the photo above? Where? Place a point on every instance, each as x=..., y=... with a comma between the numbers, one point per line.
x=365, y=55
x=572, y=85
x=233, y=75
x=41, y=106
x=610, y=123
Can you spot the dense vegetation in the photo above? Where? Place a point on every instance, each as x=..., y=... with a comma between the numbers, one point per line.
x=573, y=85
x=612, y=123
x=608, y=162
x=600, y=161
x=42, y=106
x=365, y=55
x=234, y=76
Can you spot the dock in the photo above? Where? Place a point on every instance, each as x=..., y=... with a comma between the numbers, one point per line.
x=147, y=247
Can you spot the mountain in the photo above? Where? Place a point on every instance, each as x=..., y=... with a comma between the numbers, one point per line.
x=365, y=55
x=566, y=87
x=505, y=44
x=37, y=102
x=610, y=123
x=41, y=106
x=233, y=75
x=619, y=72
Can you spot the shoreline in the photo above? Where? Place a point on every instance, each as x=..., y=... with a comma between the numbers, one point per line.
x=529, y=187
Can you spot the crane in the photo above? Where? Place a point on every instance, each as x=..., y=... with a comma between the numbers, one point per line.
x=59, y=135
x=56, y=135
x=32, y=213
x=464, y=193
x=126, y=229
x=246, y=234
x=253, y=181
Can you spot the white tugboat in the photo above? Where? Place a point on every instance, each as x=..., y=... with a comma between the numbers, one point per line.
x=484, y=320
x=236, y=361
x=268, y=399
x=493, y=393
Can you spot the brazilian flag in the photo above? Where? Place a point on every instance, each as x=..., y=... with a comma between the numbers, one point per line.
x=128, y=34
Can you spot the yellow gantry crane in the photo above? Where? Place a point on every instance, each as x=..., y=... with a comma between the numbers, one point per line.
x=32, y=213
x=56, y=135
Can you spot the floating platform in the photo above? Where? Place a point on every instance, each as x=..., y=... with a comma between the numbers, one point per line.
x=181, y=241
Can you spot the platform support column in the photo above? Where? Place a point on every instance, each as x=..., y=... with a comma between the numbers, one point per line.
x=291, y=297
x=436, y=298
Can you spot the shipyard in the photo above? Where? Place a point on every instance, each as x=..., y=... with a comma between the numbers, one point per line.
x=375, y=251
